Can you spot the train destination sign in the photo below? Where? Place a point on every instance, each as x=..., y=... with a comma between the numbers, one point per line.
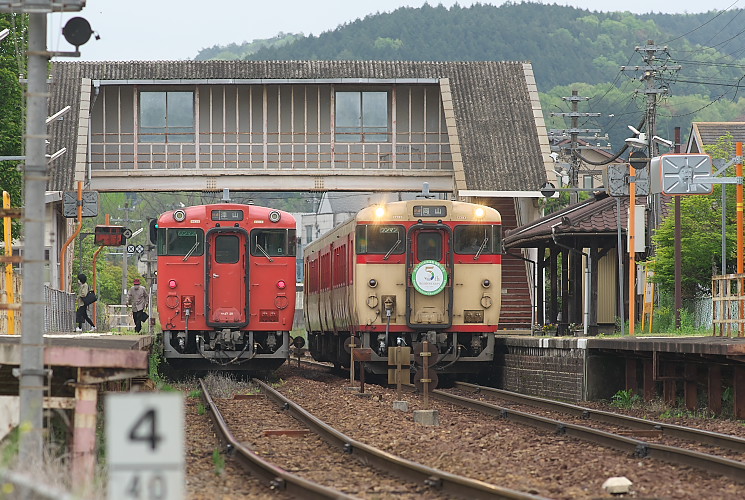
x=429, y=277
x=430, y=211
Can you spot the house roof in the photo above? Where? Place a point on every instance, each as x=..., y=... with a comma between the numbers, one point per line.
x=596, y=216
x=502, y=135
x=707, y=133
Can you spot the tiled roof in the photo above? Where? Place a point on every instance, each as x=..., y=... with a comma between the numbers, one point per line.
x=596, y=216
x=493, y=102
x=707, y=133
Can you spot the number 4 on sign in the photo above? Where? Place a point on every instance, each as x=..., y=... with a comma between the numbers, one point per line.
x=145, y=446
x=146, y=429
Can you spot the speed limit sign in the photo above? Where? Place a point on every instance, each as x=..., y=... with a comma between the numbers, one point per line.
x=145, y=446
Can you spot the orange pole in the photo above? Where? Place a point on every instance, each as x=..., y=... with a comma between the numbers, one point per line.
x=95, y=270
x=632, y=250
x=9, y=266
x=62, y=270
x=740, y=236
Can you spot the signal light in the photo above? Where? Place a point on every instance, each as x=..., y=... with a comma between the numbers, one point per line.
x=171, y=283
x=281, y=284
x=110, y=236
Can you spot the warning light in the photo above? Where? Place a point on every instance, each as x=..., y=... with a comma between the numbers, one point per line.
x=110, y=236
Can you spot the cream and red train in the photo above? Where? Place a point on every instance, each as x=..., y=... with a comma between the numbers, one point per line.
x=404, y=272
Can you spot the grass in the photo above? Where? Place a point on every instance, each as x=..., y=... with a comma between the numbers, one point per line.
x=625, y=399
x=219, y=462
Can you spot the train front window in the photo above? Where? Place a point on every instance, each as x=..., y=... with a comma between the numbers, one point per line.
x=477, y=239
x=429, y=246
x=227, y=249
x=273, y=242
x=380, y=239
x=180, y=242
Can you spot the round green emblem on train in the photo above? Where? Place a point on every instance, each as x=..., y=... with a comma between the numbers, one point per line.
x=429, y=277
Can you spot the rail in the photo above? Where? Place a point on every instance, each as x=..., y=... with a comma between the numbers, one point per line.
x=444, y=481
x=641, y=449
x=275, y=477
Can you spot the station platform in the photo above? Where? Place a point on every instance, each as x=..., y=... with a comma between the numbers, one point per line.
x=80, y=357
x=576, y=369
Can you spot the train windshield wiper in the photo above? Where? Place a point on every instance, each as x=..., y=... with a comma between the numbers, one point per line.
x=266, y=254
x=395, y=245
x=481, y=248
x=193, y=249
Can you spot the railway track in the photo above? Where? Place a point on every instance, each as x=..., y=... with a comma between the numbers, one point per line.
x=711, y=453
x=708, y=462
x=420, y=480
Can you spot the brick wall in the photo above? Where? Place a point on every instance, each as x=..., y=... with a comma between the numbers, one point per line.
x=545, y=371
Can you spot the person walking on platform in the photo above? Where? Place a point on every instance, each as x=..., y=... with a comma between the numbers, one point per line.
x=137, y=298
x=81, y=314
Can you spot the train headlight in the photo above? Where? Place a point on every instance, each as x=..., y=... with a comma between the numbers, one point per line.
x=479, y=212
x=179, y=215
x=171, y=283
x=281, y=284
x=373, y=283
x=274, y=216
x=486, y=283
x=379, y=212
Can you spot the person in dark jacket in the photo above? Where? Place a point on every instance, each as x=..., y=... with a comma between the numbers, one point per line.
x=81, y=314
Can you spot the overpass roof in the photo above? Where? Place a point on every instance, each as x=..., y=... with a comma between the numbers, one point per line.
x=500, y=127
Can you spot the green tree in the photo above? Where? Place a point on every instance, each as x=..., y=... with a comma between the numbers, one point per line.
x=12, y=107
x=701, y=231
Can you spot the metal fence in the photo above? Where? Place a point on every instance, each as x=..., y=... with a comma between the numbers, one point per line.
x=59, y=310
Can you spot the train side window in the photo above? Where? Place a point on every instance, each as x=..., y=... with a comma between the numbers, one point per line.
x=497, y=239
x=227, y=249
x=273, y=242
x=380, y=239
x=177, y=241
x=429, y=246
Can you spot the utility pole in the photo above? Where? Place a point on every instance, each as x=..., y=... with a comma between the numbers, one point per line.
x=125, y=267
x=575, y=163
x=652, y=70
x=32, y=373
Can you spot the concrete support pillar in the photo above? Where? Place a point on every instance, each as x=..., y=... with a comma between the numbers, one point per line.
x=715, y=388
x=739, y=389
x=631, y=382
x=649, y=384
x=690, y=386
x=669, y=388
x=84, y=436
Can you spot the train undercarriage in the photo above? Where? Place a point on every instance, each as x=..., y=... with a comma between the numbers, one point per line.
x=456, y=352
x=226, y=349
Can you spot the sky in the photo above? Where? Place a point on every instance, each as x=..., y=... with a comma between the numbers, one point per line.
x=133, y=30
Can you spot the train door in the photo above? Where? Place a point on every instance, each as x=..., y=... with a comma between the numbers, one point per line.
x=429, y=296
x=227, y=278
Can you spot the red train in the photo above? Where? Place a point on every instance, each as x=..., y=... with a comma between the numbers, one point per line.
x=404, y=272
x=226, y=286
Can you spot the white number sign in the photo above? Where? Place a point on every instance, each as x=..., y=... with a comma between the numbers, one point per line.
x=145, y=446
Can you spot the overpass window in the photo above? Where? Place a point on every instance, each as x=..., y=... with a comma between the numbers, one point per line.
x=362, y=117
x=166, y=117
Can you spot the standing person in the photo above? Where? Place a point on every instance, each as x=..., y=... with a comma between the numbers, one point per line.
x=137, y=298
x=82, y=312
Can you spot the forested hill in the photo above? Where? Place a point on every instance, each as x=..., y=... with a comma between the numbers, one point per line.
x=569, y=48
x=564, y=44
